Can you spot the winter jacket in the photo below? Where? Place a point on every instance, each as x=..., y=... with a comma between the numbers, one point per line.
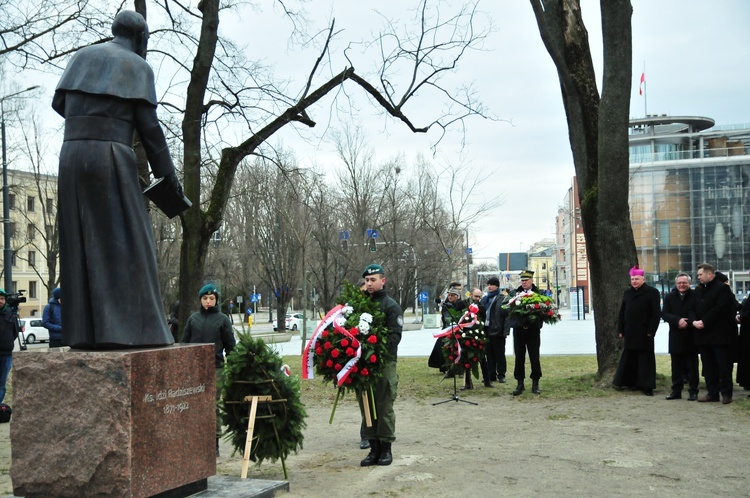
x=8, y=331
x=716, y=305
x=210, y=326
x=493, y=304
x=394, y=320
x=52, y=319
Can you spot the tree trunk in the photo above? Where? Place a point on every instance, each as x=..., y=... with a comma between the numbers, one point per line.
x=598, y=133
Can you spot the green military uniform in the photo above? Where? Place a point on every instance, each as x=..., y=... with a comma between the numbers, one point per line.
x=383, y=431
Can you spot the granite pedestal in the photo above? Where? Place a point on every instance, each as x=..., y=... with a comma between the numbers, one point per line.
x=130, y=423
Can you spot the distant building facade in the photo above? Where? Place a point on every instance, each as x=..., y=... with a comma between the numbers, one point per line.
x=32, y=201
x=690, y=197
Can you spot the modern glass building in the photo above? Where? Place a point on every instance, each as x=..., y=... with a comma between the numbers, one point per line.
x=690, y=197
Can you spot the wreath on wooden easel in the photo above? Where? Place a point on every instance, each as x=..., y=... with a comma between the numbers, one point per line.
x=253, y=369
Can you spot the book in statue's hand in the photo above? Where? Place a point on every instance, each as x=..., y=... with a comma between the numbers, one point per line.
x=170, y=201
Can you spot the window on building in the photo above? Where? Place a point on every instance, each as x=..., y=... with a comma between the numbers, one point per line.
x=12, y=229
x=14, y=259
x=50, y=205
x=50, y=231
x=30, y=231
x=32, y=258
x=14, y=287
x=544, y=266
x=31, y=204
x=11, y=201
x=32, y=290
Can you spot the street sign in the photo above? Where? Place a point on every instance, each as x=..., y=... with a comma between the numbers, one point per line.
x=422, y=297
x=468, y=250
x=239, y=299
x=371, y=233
x=255, y=298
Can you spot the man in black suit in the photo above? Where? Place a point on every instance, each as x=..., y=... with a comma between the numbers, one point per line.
x=715, y=333
x=527, y=336
x=676, y=310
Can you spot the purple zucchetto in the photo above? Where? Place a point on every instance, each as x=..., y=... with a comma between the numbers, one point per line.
x=636, y=271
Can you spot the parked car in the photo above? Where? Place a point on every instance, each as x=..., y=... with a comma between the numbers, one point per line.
x=34, y=331
x=293, y=321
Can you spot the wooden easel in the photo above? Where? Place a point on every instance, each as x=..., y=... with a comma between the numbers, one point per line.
x=253, y=400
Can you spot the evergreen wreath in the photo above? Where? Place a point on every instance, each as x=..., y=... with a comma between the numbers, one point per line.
x=254, y=369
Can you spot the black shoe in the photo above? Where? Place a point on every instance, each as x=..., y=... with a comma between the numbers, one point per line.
x=619, y=388
x=364, y=444
x=648, y=392
x=708, y=399
x=693, y=397
x=386, y=457
x=373, y=456
x=487, y=383
x=676, y=395
x=535, y=387
x=502, y=380
x=519, y=388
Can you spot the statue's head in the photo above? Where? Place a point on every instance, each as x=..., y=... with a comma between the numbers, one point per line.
x=132, y=26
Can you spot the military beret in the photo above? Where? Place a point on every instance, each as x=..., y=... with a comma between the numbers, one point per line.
x=373, y=270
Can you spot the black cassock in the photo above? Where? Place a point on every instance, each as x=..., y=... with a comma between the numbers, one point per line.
x=108, y=272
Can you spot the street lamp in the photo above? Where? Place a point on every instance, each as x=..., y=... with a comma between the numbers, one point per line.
x=7, y=250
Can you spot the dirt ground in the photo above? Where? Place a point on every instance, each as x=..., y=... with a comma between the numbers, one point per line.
x=624, y=445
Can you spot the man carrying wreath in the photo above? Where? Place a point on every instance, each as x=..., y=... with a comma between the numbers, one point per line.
x=527, y=336
x=383, y=431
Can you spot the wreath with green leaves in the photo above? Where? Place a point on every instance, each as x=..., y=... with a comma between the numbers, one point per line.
x=463, y=346
x=253, y=369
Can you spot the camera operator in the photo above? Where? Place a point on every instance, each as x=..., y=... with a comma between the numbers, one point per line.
x=8, y=334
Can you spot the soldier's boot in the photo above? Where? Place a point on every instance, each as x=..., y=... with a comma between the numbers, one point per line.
x=374, y=455
x=535, y=387
x=386, y=457
x=519, y=388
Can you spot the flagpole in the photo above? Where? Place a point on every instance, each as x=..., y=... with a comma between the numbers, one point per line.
x=645, y=97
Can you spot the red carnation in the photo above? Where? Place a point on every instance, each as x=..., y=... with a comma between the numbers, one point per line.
x=467, y=366
x=354, y=331
x=348, y=380
x=324, y=334
x=335, y=353
x=372, y=339
x=318, y=351
x=480, y=346
x=550, y=313
x=365, y=372
x=536, y=306
x=327, y=345
x=350, y=352
x=467, y=343
x=344, y=343
x=337, y=367
x=355, y=368
x=457, y=336
x=329, y=363
x=373, y=358
x=355, y=343
x=449, y=357
x=475, y=359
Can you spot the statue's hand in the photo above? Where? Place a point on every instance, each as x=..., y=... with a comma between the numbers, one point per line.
x=173, y=182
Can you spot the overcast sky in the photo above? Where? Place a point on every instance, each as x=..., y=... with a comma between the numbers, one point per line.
x=696, y=62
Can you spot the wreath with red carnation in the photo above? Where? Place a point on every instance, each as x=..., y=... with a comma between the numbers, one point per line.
x=463, y=343
x=349, y=346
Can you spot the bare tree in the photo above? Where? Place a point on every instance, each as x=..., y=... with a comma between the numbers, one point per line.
x=598, y=131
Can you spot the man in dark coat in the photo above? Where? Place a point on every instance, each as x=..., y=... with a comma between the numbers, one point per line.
x=106, y=242
x=637, y=323
x=527, y=336
x=495, y=330
x=453, y=301
x=52, y=319
x=715, y=333
x=678, y=306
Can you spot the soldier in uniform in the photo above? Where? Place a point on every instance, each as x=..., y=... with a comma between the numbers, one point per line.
x=527, y=336
x=383, y=431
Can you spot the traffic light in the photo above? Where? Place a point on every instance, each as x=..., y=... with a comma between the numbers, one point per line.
x=373, y=246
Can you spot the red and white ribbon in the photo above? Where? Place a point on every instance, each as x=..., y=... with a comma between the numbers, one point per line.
x=308, y=357
x=449, y=331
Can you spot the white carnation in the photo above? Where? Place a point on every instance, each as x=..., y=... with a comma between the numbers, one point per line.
x=364, y=327
x=365, y=317
x=347, y=310
x=341, y=321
